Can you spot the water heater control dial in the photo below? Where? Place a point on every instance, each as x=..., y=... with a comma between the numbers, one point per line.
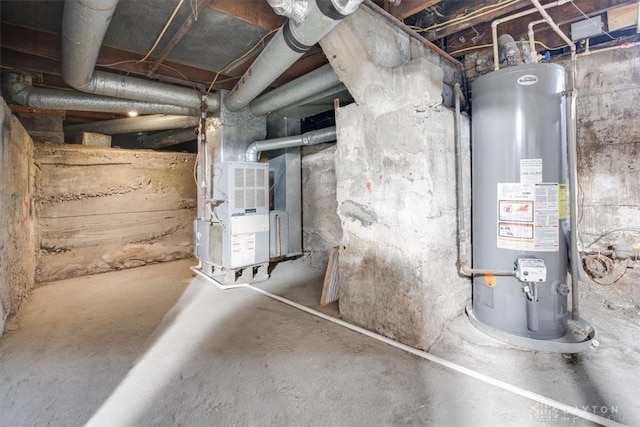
x=530, y=270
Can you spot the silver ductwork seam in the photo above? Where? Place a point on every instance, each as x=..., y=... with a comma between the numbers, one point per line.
x=310, y=138
x=168, y=138
x=21, y=92
x=136, y=124
x=84, y=25
x=289, y=43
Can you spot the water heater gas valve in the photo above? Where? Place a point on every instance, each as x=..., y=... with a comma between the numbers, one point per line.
x=530, y=270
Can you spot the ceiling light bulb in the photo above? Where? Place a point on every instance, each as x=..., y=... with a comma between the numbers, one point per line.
x=132, y=113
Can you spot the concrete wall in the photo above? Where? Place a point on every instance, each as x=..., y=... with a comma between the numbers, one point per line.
x=395, y=170
x=17, y=230
x=609, y=146
x=321, y=227
x=104, y=209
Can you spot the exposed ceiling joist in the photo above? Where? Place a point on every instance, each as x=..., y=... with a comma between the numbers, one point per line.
x=487, y=15
x=257, y=13
x=411, y=7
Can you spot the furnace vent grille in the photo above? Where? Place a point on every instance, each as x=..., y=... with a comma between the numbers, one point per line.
x=250, y=190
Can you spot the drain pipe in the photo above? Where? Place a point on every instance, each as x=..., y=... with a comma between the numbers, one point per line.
x=463, y=238
x=84, y=25
x=310, y=138
x=572, y=163
x=168, y=138
x=314, y=82
x=135, y=124
x=21, y=91
x=308, y=23
x=495, y=23
x=543, y=400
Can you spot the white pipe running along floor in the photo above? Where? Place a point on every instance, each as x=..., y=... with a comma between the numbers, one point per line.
x=152, y=346
x=424, y=355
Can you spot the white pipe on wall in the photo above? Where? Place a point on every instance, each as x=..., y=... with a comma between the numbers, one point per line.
x=495, y=23
x=533, y=55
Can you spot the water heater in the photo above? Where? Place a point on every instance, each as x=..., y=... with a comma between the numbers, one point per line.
x=519, y=197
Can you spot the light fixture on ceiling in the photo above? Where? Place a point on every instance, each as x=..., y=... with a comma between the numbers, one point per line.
x=132, y=113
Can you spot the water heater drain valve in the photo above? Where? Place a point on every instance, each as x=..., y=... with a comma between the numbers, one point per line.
x=530, y=270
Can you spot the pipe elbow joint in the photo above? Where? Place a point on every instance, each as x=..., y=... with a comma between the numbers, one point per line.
x=17, y=87
x=252, y=153
x=346, y=7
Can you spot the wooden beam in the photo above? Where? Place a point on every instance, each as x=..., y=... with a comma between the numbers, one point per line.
x=22, y=109
x=23, y=62
x=410, y=7
x=257, y=13
x=623, y=17
x=90, y=116
x=486, y=16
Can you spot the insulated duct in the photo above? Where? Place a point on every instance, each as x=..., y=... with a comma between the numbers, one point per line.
x=21, y=92
x=309, y=138
x=84, y=25
x=303, y=87
x=290, y=43
x=509, y=49
x=168, y=138
x=136, y=124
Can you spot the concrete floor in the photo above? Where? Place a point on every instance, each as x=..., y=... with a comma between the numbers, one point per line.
x=155, y=346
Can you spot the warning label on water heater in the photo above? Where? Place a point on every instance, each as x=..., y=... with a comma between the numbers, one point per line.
x=528, y=216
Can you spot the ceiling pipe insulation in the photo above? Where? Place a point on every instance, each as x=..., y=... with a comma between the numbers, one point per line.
x=292, y=40
x=84, y=25
x=20, y=91
x=316, y=81
x=136, y=124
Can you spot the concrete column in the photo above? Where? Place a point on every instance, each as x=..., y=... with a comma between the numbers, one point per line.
x=396, y=174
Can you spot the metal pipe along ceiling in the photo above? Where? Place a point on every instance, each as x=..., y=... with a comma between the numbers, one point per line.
x=290, y=42
x=136, y=124
x=297, y=90
x=21, y=92
x=310, y=138
x=84, y=25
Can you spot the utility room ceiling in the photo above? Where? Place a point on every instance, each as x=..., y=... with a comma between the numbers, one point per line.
x=216, y=40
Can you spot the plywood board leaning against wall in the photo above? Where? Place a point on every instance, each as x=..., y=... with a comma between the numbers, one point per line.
x=104, y=209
